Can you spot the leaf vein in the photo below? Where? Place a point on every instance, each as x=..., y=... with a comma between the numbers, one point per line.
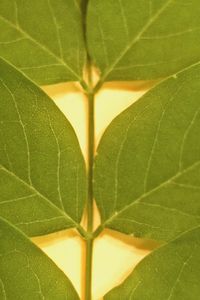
x=43, y=47
x=31, y=187
x=57, y=28
x=3, y=289
x=23, y=129
x=17, y=199
x=163, y=184
x=185, y=137
x=184, y=265
x=58, y=161
x=12, y=41
x=124, y=20
x=116, y=174
x=103, y=43
x=156, y=137
x=135, y=40
x=189, y=30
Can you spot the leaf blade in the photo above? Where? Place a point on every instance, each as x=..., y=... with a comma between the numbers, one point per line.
x=132, y=40
x=170, y=273
x=50, y=60
x=40, y=159
x=23, y=266
x=151, y=187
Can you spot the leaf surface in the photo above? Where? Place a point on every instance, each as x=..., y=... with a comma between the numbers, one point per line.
x=26, y=272
x=170, y=273
x=42, y=170
x=43, y=38
x=139, y=40
x=147, y=168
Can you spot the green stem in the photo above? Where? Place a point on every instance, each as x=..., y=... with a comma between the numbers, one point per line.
x=89, y=241
x=98, y=231
x=90, y=161
x=88, y=277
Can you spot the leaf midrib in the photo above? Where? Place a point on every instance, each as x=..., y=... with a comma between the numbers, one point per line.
x=185, y=262
x=134, y=41
x=138, y=200
x=32, y=188
x=43, y=47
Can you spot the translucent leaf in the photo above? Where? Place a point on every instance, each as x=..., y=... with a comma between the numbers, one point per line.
x=134, y=40
x=147, y=168
x=26, y=272
x=43, y=38
x=42, y=171
x=169, y=273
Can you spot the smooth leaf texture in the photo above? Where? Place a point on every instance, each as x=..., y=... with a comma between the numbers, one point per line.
x=147, y=168
x=169, y=273
x=42, y=171
x=144, y=39
x=43, y=38
x=26, y=272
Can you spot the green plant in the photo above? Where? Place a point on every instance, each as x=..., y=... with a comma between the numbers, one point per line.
x=146, y=174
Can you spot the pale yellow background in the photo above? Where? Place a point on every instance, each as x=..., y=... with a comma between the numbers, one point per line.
x=115, y=255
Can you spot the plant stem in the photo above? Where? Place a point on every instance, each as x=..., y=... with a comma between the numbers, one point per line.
x=88, y=277
x=91, y=142
x=89, y=241
x=90, y=161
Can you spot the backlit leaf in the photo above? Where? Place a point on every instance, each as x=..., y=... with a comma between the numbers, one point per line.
x=169, y=273
x=133, y=40
x=26, y=272
x=42, y=171
x=43, y=38
x=147, y=171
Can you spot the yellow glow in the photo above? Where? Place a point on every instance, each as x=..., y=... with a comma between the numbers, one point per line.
x=115, y=255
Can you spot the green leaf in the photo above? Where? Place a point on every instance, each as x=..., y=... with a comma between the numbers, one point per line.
x=170, y=273
x=43, y=38
x=26, y=272
x=42, y=171
x=146, y=176
x=144, y=39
